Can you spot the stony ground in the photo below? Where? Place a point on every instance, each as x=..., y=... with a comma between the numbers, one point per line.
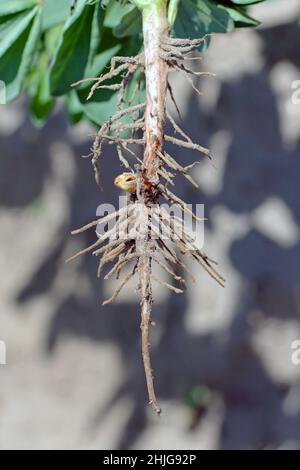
x=222, y=358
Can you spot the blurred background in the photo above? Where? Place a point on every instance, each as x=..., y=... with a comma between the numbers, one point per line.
x=222, y=357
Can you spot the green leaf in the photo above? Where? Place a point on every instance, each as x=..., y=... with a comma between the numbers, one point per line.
x=100, y=61
x=17, y=50
x=97, y=31
x=241, y=18
x=101, y=107
x=8, y=7
x=196, y=18
x=73, y=52
x=109, y=47
x=54, y=12
x=9, y=22
x=8, y=40
x=198, y=396
x=74, y=107
x=51, y=39
x=130, y=24
x=41, y=103
x=103, y=103
x=104, y=3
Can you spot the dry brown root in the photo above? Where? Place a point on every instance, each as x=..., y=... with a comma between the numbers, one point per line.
x=173, y=52
x=144, y=233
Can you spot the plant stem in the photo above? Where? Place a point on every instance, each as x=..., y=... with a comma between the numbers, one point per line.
x=155, y=25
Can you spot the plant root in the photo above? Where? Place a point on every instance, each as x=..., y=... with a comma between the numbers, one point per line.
x=143, y=233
